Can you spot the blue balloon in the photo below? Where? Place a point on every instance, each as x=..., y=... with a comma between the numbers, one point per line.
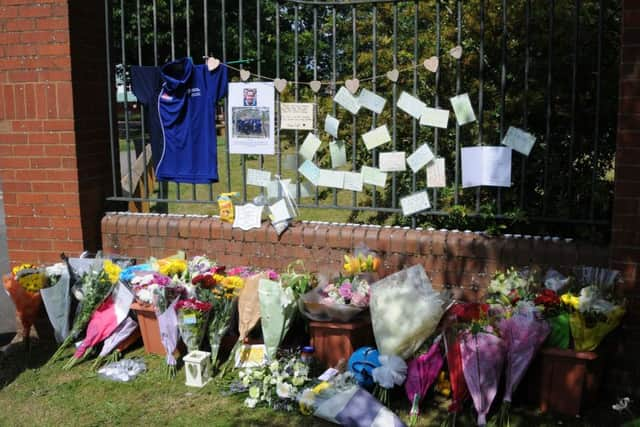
x=362, y=363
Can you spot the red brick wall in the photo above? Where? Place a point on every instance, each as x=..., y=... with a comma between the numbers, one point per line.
x=450, y=258
x=50, y=135
x=625, y=243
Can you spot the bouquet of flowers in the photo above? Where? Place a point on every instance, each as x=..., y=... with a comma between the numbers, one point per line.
x=556, y=315
x=168, y=325
x=147, y=285
x=275, y=385
x=192, y=321
x=341, y=300
x=343, y=402
x=278, y=305
x=111, y=347
x=509, y=287
x=595, y=311
x=422, y=371
x=23, y=286
x=95, y=286
x=404, y=298
x=362, y=262
x=391, y=372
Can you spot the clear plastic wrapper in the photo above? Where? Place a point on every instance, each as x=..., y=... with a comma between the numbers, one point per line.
x=310, y=305
x=124, y=370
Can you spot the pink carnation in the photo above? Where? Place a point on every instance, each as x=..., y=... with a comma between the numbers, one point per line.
x=345, y=290
x=360, y=300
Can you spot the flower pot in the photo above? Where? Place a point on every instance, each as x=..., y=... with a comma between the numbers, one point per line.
x=149, y=328
x=569, y=380
x=334, y=341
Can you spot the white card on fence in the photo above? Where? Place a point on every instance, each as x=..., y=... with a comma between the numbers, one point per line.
x=306, y=190
x=331, y=125
x=411, y=105
x=414, y=203
x=347, y=101
x=273, y=190
x=436, y=176
x=331, y=178
x=280, y=211
x=289, y=161
x=353, y=181
x=310, y=146
x=489, y=166
x=310, y=171
x=247, y=216
x=419, y=158
x=338, y=153
x=435, y=117
x=373, y=176
x=297, y=115
x=461, y=105
x=376, y=137
x=258, y=177
x=519, y=140
x=371, y=101
x=392, y=161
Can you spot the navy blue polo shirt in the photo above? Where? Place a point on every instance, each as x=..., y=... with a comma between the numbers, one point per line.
x=187, y=111
x=146, y=84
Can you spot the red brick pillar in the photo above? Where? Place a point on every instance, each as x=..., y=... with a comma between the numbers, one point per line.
x=625, y=243
x=54, y=137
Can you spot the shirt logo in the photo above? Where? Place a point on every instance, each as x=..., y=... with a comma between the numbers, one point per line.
x=166, y=96
x=193, y=92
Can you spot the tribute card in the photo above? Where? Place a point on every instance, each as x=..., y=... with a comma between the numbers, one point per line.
x=376, y=137
x=330, y=178
x=258, y=177
x=347, y=101
x=435, y=117
x=310, y=171
x=411, y=105
x=392, y=161
x=461, y=105
x=248, y=216
x=436, y=176
x=519, y=140
x=414, y=203
x=297, y=115
x=490, y=166
x=420, y=158
x=338, y=153
x=310, y=146
x=371, y=101
x=280, y=211
x=373, y=176
x=331, y=125
x=353, y=181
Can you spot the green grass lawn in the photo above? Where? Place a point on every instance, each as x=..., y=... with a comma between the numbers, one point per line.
x=32, y=394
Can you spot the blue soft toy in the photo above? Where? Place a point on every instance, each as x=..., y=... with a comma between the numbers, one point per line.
x=362, y=363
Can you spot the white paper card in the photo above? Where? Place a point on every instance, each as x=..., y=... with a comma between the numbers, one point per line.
x=519, y=140
x=248, y=216
x=435, y=117
x=297, y=115
x=486, y=166
x=289, y=161
x=306, y=189
x=331, y=178
x=273, y=190
x=338, y=153
x=347, y=101
x=373, y=176
x=376, y=137
x=419, y=158
x=251, y=118
x=461, y=105
x=415, y=203
x=393, y=161
x=280, y=211
x=258, y=177
x=328, y=374
x=310, y=171
x=331, y=125
x=310, y=146
x=436, y=176
x=371, y=101
x=353, y=181
x=411, y=105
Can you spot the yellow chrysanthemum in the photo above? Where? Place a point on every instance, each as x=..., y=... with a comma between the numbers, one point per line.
x=321, y=387
x=172, y=267
x=33, y=282
x=570, y=300
x=20, y=267
x=112, y=270
x=218, y=278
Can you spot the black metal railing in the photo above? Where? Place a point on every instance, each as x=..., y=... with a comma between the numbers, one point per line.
x=549, y=67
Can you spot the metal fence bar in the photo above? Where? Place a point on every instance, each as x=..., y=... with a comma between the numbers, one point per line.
x=374, y=116
x=354, y=128
x=458, y=84
x=187, y=13
x=503, y=87
x=525, y=104
x=124, y=81
x=172, y=24
x=227, y=154
x=107, y=36
x=333, y=78
x=415, y=92
x=243, y=158
x=142, y=132
x=205, y=13
x=315, y=100
x=545, y=199
x=395, y=101
x=279, y=148
x=481, y=91
x=574, y=78
x=436, y=101
x=296, y=73
x=259, y=58
x=596, y=128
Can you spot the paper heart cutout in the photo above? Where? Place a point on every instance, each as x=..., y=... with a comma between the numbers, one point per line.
x=280, y=84
x=244, y=75
x=393, y=75
x=212, y=63
x=432, y=64
x=352, y=85
x=456, y=52
x=315, y=86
